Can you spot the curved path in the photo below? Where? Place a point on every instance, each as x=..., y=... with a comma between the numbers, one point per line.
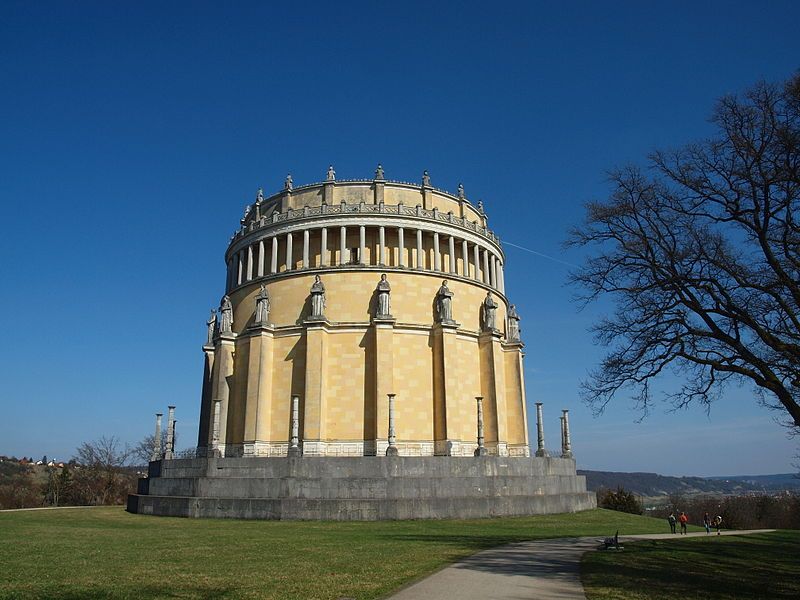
x=542, y=569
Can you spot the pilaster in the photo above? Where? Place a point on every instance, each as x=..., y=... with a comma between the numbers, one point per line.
x=315, y=409
x=258, y=403
x=493, y=387
x=206, y=412
x=223, y=381
x=445, y=375
x=383, y=330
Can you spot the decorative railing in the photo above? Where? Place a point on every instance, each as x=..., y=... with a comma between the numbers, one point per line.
x=363, y=208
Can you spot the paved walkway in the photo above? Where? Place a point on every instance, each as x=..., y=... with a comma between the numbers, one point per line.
x=544, y=570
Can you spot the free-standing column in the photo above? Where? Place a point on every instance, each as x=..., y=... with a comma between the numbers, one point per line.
x=493, y=267
x=239, y=268
x=382, y=246
x=391, y=450
x=294, y=438
x=323, y=248
x=420, y=257
x=540, y=450
x=401, y=259
x=485, y=266
x=289, y=252
x=481, y=449
x=342, y=245
x=501, y=282
x=249, y=263
x=305, y=248
x=465, y=257
x=362, y=244
x=157, y=439
x=437, y=257
x=566, y=451
x=475, y=258
x=261, y=258
x=452, y=255
x=273, y=264
x=170, y=449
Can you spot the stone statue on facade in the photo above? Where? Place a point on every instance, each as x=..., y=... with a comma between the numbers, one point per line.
x=461, y=191
x=262, y=306
x=317, y=298
x=480, y=206
x=426, y=179
x=259, y=196
x=513, y=324
x=331, y=176
x=211, y=326
x=225, y=315
x=287, y=184
x=489, y=313
x=383, y=289
x=379, y=172
x=247, y=210
x=444, y=304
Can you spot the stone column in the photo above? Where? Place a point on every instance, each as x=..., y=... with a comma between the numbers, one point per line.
x=273, y=264
x=486, y=279
x=294, y=434
x=206, y=404
x=566, y=451
x=493, y=270
x=157, y=439
x=250, y=263
x=239, y=268
x=289, y=252
x=452, y=252
x=420, y=256
x=501, y=282
x=261, y=258
x=446, y=387
x=391, y=450
x=493, y=388
x=362, y=244
x=343, y=245
x=437, y=257
x=305, y=248
x=170, y=449
x=383, y=376
x=481, y=449
x=540, y=449
x=323, y=248
x=382, y=244
x=465, y=257
x=401, y=259
x=476, y=259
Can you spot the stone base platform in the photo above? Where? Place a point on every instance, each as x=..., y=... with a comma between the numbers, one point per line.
x=361, y=488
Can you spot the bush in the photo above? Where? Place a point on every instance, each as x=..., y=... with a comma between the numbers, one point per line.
x=620, y=500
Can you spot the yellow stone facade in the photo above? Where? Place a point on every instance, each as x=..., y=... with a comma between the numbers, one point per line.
x=343, y=365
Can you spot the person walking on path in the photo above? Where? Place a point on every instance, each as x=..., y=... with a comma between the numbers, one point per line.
x=718, y=523
x=672, y=521
x=707, y=522
x=684, y=519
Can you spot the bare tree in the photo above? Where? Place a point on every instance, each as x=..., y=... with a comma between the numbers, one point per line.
x=102, y=478
x=702, y=255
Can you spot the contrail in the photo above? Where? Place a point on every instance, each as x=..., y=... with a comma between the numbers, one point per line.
x=563, y=262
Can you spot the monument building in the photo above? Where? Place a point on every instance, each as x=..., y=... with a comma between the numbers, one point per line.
x=364, y=318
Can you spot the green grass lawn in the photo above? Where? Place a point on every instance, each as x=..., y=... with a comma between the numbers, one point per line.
x=754, y=566
x=108, y=553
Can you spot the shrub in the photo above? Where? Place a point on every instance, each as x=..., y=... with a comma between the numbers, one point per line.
x=620, y=500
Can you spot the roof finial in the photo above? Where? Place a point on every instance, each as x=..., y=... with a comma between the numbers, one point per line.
x=461, y=191
x=331, y=176
x=259, y=196
x=287, y=184
x=426, y=179
x=379, y=172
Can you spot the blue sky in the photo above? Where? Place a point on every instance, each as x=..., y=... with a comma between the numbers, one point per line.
x=132, y=135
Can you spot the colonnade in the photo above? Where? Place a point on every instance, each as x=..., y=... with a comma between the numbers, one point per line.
x=261, y=258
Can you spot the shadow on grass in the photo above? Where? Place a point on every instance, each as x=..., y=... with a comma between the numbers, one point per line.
x=145, y=591
x=757, y=566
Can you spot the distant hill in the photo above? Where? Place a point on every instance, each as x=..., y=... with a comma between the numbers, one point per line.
x=653, y=484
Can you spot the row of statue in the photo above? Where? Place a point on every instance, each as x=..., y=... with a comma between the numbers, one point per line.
x=222, y=323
